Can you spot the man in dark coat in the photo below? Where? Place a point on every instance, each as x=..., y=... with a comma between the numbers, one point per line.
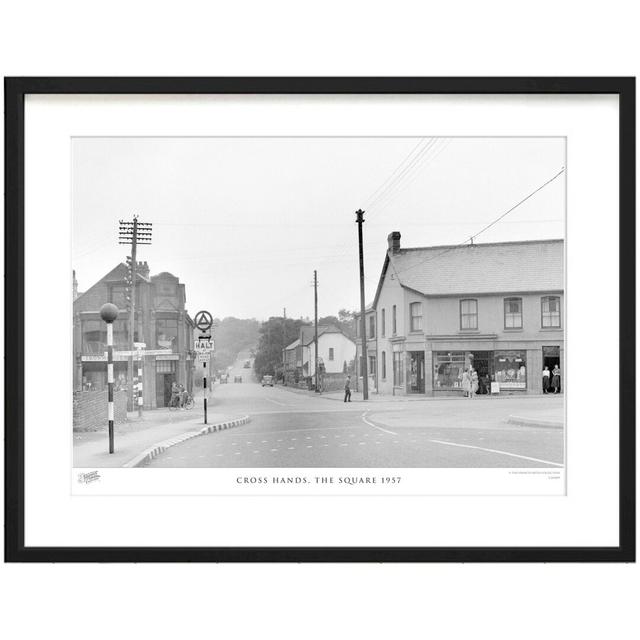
x=347, y=389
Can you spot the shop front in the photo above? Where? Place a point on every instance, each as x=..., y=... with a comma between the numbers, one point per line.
x=497, y=370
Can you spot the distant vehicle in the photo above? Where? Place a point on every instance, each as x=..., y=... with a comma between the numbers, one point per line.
x=247, y=364
x=224, y=378
x=237, y=378
x=267, y=381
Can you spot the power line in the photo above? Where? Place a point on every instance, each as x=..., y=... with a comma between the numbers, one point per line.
x=491, y=224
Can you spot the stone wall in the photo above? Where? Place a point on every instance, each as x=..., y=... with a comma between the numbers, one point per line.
x=90, y=409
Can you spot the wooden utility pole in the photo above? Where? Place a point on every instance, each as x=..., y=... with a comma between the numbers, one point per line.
x=363, y=324
x=133, y=233
x=284, y=346
x=315, y=297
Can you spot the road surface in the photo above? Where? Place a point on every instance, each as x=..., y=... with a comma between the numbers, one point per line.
x=294, y=429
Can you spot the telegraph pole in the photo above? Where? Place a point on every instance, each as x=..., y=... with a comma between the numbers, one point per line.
x=284, y=346
x=363, y=324
x=133, y=233
x=315, y=299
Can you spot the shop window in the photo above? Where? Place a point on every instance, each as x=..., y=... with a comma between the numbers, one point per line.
x=384, y=365
x=372, y=326
x=331, y=353
x=383, y=323
x=94, y=336
x=415, y=312
x=167, y=333
x=550, y=312
x=468, y=314
x=510, y=369
x=394, y=323
x=448, y=367
x=398, y=368
x=513, y=313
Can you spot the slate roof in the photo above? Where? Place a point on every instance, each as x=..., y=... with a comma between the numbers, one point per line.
x=307, y=334
x=501, y=267
x=293, y=345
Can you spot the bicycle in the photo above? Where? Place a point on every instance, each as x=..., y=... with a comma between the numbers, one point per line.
x=188, y=403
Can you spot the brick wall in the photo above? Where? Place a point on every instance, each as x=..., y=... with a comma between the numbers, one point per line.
x=90, y=409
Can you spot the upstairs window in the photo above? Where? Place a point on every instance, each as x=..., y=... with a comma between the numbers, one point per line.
x=383, y=323
x=330, y=353
x=468, y=314
x=550, y=312
x=372, y=326
x=394, y=324
x=415, y=312
x=513, y=313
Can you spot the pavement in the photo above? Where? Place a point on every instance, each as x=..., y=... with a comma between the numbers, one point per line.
x=301, y=429
x=137, y=435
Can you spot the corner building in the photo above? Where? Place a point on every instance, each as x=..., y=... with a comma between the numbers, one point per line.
x=496, y=306
x=161, y=322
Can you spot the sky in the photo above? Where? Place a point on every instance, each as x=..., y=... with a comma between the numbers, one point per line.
x=243, y=222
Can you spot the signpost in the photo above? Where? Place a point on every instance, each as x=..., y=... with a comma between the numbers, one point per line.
x=203, y=346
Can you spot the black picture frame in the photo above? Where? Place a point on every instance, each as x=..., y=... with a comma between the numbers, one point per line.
x=15, y=91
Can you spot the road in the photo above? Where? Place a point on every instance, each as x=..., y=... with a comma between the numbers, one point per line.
x=293, y=429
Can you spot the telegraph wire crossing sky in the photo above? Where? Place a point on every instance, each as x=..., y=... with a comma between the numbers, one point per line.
x=243, y=222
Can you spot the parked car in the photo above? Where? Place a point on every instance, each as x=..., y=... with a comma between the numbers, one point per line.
x=267, y=381
x=247, y=364
x=237, y=378
x=224, y=378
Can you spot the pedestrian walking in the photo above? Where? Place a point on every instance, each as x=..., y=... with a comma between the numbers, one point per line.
x=546, y=380
x=555, y=380
x=466, y=383
x=347, y=389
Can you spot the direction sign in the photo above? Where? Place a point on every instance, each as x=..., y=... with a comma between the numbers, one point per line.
x=203, y=320
x=204, y=356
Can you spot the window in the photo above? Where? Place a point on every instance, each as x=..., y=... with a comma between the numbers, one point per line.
x=167, y=333
x=398, y=368
x=394, y=325
x=468, y=314
x=550, y=311
x=384, y=365
x=94, y=336
x=372, y=326
x=510, y=369
x=372, y=366
x=448, y=368
x=513, y=313
x=415, y=311
x=383, y=323
x=330, y=353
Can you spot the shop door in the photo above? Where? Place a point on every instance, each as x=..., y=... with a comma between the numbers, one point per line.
x=163, y=388
x=551, y=359
x=416, y=373
x=481, y=362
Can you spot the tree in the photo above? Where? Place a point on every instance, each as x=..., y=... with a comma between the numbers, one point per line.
x=233, y=335
x=275, y=334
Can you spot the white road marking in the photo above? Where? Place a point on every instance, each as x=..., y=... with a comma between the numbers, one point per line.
x=504, y=453
x=308, y=437
x=290, y=448
x=344, y=444
x=237, y=453
x=263, y=441
x=375, y=426
x=273, y=449
x=249, y=442
x=282, y=404
x=219, y=455
x=362, y=443
x=309, y=446
x=256, y=452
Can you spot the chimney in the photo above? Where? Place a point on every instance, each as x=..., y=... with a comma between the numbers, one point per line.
x=394, y=241
x=143, y=269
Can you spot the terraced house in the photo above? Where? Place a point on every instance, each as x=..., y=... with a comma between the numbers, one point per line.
x=438, y=310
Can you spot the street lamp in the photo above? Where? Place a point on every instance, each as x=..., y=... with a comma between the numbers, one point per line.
x=109, y=313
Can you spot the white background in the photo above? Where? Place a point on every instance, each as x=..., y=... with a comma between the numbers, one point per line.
x=489, y=38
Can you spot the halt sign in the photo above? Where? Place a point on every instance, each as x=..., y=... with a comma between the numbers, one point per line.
x=203, y=344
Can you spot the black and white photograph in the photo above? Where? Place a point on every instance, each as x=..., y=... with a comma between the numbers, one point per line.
x=356, y=303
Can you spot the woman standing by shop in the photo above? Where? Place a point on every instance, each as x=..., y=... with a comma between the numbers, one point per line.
x=474, y=382
x=466, y=383
x=555, y=380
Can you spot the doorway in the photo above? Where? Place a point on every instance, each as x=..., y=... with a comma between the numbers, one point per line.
x=416, y=371
x=481, y=361
x=165, y=377
x=551, y=359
